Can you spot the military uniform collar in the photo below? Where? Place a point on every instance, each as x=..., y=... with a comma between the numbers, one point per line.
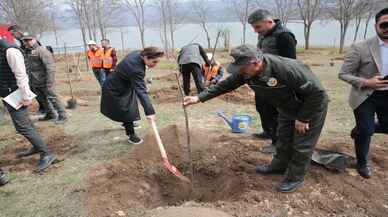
x=267, y=71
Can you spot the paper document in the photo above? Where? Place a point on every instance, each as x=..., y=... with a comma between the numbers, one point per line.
x=15, y=99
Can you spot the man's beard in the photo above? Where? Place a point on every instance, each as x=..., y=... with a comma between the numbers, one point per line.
x=383, y=35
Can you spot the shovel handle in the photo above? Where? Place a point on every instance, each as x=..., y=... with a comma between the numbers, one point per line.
x=158, y=139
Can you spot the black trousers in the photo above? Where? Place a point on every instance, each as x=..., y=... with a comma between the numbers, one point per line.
x=24, y=126
x=268, y=116
x=366, y=126
x=195, y=70
x=129, y=128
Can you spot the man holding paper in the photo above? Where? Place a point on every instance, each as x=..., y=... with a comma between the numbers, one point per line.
x=13, y=76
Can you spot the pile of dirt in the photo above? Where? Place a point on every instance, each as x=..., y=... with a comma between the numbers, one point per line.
x=55, y=138
x=225, y=179
x=242, y=95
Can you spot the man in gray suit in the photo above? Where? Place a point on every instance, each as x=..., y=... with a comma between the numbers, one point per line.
x=366, y=69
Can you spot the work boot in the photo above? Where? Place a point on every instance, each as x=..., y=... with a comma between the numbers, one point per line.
x=27, y=153
x=45, y=161
x=268, y=149
x=134, y=139
x=364, y=171
x=288, y=185
x=48, y=117
x=61, y=119
x=268, y=169
x=353, y=133
x=263, y=135
x=3, y=178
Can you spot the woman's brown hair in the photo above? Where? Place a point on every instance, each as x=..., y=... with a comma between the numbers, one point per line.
x=152, y=52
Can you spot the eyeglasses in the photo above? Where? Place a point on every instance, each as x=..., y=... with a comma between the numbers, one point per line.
x=383, y=25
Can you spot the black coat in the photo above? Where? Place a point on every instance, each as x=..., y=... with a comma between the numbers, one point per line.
x=121, y=91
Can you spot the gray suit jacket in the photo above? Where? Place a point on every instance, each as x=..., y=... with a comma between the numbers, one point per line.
x=362, y=62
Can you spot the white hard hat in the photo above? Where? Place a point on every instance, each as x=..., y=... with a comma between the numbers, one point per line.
x=91, y=42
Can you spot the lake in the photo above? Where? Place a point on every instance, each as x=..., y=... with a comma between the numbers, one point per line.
x=323, y=34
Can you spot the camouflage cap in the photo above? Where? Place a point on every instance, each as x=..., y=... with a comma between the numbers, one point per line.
x=244, y=55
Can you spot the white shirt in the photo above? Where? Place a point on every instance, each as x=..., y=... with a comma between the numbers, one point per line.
x=15, y=61
x=384, y=57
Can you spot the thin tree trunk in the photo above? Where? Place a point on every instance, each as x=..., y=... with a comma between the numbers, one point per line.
x=367, y=25
x=307, y=30
x=358, y=24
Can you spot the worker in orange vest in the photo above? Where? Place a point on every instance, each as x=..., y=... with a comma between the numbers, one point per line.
x=95, y=61
x=212, y=74
x=109, y=57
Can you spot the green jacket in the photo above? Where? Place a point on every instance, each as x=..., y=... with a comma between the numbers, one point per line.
x=287, y=84
x=42, y=66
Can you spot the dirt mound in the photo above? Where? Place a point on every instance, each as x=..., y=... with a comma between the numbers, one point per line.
x=166, y=95
x=57, y=141
x=187, y=212
x=242, y=95
x=224, y=179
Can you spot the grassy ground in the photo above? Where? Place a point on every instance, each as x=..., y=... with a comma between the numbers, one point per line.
x=97, y=140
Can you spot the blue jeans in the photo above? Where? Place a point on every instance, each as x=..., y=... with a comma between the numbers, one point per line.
x=366, y=124
x=100, y=75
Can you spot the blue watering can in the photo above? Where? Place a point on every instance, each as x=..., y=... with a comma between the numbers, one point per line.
x=238, y=123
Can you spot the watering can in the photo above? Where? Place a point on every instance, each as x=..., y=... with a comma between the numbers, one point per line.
x=238, y=123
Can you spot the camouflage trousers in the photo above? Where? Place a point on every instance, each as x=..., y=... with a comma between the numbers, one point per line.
x=294, y=150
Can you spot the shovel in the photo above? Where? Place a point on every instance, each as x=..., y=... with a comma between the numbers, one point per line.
x=163, y=153
x=71, y=103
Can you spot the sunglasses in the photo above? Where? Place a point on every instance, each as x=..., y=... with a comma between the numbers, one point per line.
x=383, y=25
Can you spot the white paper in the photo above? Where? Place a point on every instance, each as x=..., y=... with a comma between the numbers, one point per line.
x=15, y=99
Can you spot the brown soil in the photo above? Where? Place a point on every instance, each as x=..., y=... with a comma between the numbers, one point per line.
x=224, y=179
x=171, y=94
x=242, y=95
x=166, y=95
x=57, y=142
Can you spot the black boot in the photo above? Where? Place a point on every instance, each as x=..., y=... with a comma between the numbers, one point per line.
x=3, y=178
x=48, y=117
x=287, y=185
x=134, y=139
x=364, y=171
x=27, y=153
x=61, y=119
x=45, y=161
x=268, y=169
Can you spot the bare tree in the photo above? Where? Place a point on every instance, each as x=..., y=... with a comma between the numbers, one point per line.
x=137, y=8
x=170, y=18
x=281, y=9
x=309, y=11
x=201, y=13
x=343, y=11
x=242, y=9
x=32, y=15
x=362, y=11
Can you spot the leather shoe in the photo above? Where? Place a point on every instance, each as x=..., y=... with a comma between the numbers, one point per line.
x=3, y=178
x=365, y=172
x=268, y=169
x=263, y=135
x=27, y=153
x=288, y=185
x=48, y=118
x=44, y=162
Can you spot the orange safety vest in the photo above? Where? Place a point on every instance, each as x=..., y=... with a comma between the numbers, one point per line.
x=95, y=58
x=210, y=75
x=107, y=60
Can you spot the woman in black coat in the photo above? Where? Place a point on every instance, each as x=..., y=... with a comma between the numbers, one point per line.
x=121, y=91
